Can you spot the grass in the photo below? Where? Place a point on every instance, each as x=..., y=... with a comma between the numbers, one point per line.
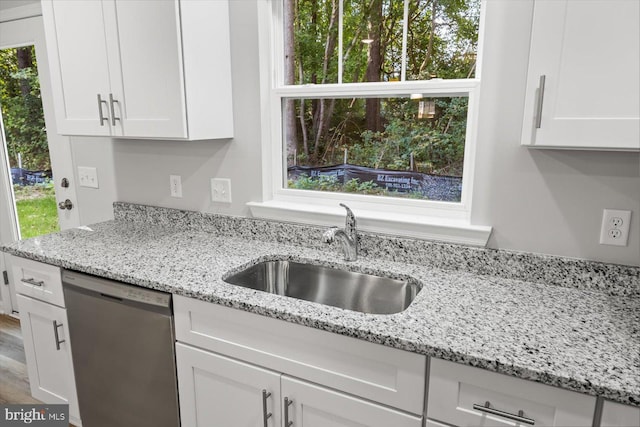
x=37, y=210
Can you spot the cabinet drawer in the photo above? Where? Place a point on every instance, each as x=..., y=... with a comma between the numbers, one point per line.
x=454, y=389
x=37, y=280
x=382, y=374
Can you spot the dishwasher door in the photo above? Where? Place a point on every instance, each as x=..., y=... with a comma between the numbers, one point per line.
x=123, y=350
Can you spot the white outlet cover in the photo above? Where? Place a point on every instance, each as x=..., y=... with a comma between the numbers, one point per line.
x=221, y=190
x=88, y=177
x=615, y=227
x=175, y=185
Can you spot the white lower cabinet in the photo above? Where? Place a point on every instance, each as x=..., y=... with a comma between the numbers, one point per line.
x=235, y=368
x=315, y=406
x=48, y=354
x=219, y=391
x=618, y=415
x=464, y=396
x=227, y=357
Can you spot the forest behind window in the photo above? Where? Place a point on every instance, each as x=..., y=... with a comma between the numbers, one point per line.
x=408, y=145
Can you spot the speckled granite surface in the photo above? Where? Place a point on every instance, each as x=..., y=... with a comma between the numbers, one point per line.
x=578, y=339
x=611, y=278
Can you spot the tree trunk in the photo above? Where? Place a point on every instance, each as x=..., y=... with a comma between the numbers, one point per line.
x=289, y=79
x=302, y=110
x=330, y=44
x=327, y=122
x=425, y=63
x=318, y=129
x=329, y=49
x=374, y=64
x=24, y=61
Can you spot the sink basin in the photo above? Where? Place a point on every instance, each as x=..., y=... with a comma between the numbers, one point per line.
x=365, y=293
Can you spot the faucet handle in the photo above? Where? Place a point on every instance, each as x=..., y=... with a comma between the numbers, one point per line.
x=350, y=226
x=329, y=235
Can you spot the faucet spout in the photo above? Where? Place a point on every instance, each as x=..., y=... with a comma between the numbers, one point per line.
x=348, y=237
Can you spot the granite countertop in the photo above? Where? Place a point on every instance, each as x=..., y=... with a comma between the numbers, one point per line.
x=578, y=339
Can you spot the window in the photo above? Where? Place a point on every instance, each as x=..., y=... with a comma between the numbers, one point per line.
x=372, y=103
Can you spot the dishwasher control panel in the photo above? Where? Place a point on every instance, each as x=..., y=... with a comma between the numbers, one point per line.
x=116, y=290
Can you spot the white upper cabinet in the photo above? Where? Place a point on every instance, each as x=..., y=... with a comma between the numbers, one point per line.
x=141, y=69
x=583, y=90
x=79, y=67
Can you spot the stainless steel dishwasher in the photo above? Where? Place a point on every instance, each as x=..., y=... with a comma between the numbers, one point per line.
x=122, y=345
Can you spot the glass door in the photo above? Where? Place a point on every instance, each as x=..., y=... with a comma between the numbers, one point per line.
x=37, y=195
x=25, y=144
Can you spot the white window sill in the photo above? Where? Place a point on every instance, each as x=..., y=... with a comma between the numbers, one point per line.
x=419, y=227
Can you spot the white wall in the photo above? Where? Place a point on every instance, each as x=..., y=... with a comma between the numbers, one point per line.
x=537, y=200
x=143, y=167
x=95, y=205
x=546, y=201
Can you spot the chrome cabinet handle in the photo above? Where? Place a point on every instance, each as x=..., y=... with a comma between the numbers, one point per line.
x=102, y=117
x=55, y=331
x=265, y=415
x=112, y=101
x=519, y=418
x=287, y=403
x=539, y=101
x=32, y=281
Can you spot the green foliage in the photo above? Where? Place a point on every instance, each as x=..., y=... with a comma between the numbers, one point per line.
x=37, y=210
x=441, y=42
x=330, y=183
x=433, y=142
x=22, y=113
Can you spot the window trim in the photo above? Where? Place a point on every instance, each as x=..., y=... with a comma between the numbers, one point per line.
x=437, y=220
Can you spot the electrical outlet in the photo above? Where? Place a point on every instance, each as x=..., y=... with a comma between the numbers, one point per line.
x=616, y=222
x=175, y=185
x=221, y=190
x=615, y=227
x=88, y=177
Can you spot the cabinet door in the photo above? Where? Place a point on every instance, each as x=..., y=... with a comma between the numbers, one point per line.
x=618, y=415
x=315, y=406
x=216, y=391
x=589, y=53
x=48, y=363
x=77, y=54
x=145, y=59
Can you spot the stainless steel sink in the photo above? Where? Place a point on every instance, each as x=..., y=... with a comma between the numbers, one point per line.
x=338, y=288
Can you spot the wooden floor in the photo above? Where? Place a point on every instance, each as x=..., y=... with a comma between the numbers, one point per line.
x=14, y=387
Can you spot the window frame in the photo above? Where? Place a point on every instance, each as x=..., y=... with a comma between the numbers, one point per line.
x=438, y=220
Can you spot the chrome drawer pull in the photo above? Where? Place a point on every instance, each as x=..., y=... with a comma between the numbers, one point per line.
x=113, y=101
x=539, y=101
x=519, y=418
x=32, y=281
x=265, y=415
x=55, y=332
x=287, y=403
x=100, y=114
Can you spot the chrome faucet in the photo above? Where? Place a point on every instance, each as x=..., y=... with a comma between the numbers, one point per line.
x=348, y=237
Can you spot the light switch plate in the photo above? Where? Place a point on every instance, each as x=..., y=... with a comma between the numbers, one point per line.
x=88, y=177
x=221, y=190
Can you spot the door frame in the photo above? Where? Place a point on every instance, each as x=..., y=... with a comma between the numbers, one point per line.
x=16, y=33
